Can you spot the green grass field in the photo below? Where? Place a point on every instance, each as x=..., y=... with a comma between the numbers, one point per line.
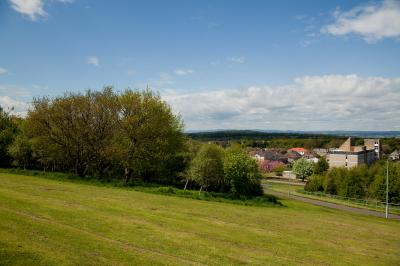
x=52, y=222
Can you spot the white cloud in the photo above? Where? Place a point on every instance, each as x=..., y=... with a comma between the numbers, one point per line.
x=32, y=8
x=3, y=71
x=93, y=60
x=310, y=103
x=183, y=72
x=236, y=59
x=371, y=21
x=18, y=107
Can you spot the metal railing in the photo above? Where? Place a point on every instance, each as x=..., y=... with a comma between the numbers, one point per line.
x=361, y=202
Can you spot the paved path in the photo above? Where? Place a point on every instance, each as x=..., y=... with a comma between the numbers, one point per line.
x=284, y=182
x=330, y=204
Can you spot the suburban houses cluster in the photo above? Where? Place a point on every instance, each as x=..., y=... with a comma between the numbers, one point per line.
x=347, y=155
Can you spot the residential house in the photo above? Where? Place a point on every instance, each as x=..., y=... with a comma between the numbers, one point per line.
x=270, y=155
x=395, y=155
x=300, y=151
x=321, y=152
x=311, y=157
x=292, y=156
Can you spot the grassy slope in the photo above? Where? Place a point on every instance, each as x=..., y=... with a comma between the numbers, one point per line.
x=46, y=221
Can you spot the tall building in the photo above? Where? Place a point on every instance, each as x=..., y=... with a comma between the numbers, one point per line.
x=348, y=155
x=374, y=144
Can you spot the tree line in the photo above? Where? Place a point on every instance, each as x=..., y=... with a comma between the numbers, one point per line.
x=358, y=182
x=129, y=135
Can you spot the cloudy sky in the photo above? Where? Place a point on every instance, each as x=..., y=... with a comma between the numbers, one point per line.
x=288, y=65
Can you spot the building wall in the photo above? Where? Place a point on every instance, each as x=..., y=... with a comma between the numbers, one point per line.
x=347, y=159
x=373, y=144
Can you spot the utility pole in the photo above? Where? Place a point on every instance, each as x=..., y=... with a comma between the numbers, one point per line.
x=387, y=187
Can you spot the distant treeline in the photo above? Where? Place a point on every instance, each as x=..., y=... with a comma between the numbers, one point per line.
x=250, y=138
x=249, y=134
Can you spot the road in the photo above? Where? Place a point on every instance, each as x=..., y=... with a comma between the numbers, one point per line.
x=331, y=205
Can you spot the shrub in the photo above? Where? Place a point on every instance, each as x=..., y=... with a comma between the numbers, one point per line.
x=321, y=166
x=315, y=183
x=351, y=184
x=243, y=173
x=378, y=187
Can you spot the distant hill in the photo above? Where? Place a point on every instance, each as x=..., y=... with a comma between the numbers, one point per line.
x=271, y=134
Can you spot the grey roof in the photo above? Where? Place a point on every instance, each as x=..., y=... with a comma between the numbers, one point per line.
x=396, y=152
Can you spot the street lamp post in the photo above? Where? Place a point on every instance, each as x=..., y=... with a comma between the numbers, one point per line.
x=387, y=188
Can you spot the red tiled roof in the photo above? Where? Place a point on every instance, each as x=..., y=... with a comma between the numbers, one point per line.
x=298, y=150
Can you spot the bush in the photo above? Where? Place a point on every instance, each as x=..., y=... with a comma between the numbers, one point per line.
x=333, y=179
x=207, y=167
x=315, y=184
x=243, y=173
x=279, y=169
x=321, y=166
x=167, y=190
x=378, y=187
x=351, y=184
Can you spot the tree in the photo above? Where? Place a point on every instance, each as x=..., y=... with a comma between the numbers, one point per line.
x=150, y=139
x=321, y=166
x=270, y=166
x=315, y=183
x=191, y=149
x=378, y=187
x=303, y=168
x=350, y=184
x=8, y=130
x=243, y=173
x=77, y=127
x=279, y=169
x=21, y=150
x=207, y=167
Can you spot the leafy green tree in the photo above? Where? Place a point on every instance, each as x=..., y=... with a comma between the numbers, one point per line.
x=330, y=186
x=321, y=166
x=279, y=169
x=315, y=183
x=243, y=173
x=77, y=127
x=21, y=151
x=207, y=167
x=351, y=185
x=303, y=168
x=191, y=149
x=8, y=130
x=378, y=187
x=150, y=140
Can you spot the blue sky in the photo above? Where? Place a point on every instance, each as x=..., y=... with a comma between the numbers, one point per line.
x=300, y=65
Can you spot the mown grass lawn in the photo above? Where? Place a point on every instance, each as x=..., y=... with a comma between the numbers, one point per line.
x=51, y=222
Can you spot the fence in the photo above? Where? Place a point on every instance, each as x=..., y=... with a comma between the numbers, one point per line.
x=361, y=202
